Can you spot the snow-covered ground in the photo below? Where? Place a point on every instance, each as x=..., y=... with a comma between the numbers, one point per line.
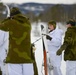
x=36, y=34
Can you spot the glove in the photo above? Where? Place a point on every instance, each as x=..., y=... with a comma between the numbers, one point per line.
x=33, y=47
x=48, y=37
x=59, y=52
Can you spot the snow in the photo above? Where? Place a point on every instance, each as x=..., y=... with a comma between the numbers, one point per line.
x=32, y=8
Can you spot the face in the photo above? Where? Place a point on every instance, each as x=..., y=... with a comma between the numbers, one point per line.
x=51, y=27
x=68, y=25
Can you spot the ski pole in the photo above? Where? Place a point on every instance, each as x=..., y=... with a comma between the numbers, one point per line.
x=36, y=40
x=39, y=38
x=44, y=53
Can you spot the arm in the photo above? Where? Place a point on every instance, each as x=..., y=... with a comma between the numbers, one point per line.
x=56, y=38
x=67, y=41
x=4, y=25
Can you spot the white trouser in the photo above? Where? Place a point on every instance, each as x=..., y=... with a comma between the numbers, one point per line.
x=20, y=69
x=57, y=71
x=56, y=62
x=2, y=64
x=3, y=68
x=70, y=67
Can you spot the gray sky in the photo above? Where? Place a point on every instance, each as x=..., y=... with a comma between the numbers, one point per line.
x=41, y=1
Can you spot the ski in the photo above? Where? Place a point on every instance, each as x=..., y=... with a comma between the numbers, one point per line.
x=44, y=54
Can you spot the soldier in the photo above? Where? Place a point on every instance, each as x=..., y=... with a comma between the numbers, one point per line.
x=69, y=47
x=19, y=57
x=54, y=41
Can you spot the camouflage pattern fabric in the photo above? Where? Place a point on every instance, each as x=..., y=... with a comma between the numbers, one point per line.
x=19, y=39
x=69, y=44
